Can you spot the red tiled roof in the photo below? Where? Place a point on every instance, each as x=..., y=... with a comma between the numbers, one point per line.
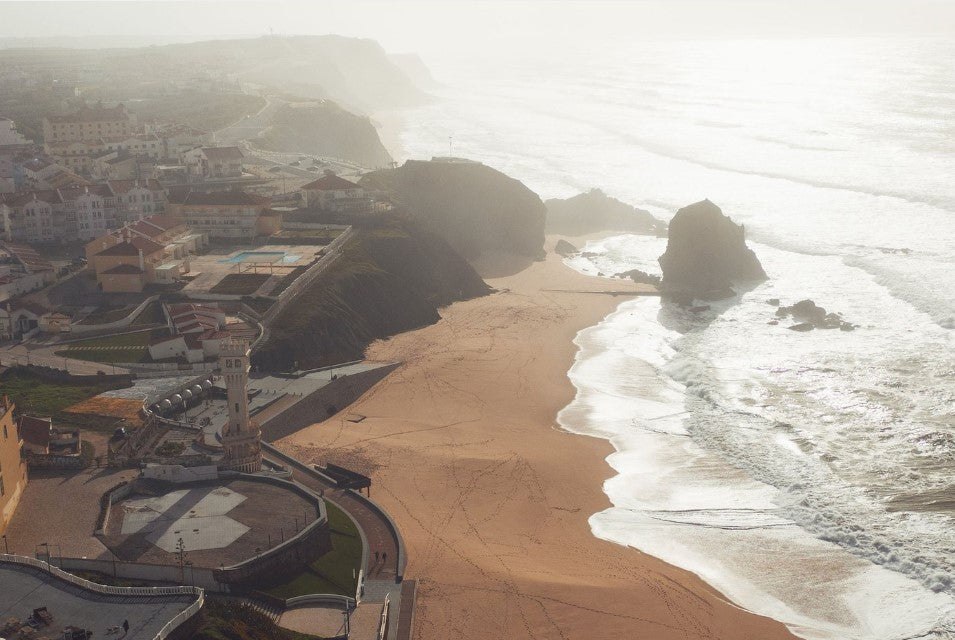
x=132, y=247
x=123, y=269
x=330, y=182
x=28, y=257
x=222, y=154
x=35, y=430
x=74, y=192
x=122, y=186
x=19, y=199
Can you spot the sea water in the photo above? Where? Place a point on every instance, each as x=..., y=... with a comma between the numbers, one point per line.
x=808, y=476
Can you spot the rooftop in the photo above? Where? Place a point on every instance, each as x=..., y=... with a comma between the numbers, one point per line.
x=330, y=182
x=235, y=198
x=223, y=154
x=93, y=114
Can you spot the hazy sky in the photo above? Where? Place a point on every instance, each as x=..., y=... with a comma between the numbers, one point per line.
x=428, y=26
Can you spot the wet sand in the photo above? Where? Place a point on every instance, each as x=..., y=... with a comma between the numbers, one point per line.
x=492, y=498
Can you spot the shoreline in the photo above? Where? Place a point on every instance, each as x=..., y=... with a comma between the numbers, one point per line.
x=492, y=495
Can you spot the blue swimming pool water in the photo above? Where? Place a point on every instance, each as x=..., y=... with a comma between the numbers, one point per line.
x=263, y=256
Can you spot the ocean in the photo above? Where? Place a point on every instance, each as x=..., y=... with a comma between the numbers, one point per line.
x=810, y=477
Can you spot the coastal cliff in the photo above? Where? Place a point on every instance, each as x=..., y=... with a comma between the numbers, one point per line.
x=323, y=128
x=474, y=207
x=596, y=211
x=389, y=280
x=706, y=253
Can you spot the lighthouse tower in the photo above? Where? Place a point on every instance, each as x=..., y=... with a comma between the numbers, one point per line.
x=240, y=436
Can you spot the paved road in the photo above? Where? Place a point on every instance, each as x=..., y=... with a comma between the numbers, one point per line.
x=249, y=127
x=40, y=354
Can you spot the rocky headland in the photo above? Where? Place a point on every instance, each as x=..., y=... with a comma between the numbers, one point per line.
x=389, y=279
x=706, y=253
x=596, y=211
x=475, y=208
x=323, y=128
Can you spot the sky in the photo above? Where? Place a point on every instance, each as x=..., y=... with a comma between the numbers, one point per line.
x=428, y=26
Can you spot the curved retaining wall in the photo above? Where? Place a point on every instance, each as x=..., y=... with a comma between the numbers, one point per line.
x=307, y=545
x=168, y=629
x=371, y=504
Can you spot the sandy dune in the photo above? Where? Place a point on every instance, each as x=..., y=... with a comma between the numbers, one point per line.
x=492, y=498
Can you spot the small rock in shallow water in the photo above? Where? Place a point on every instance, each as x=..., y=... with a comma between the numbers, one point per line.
x=802, y=326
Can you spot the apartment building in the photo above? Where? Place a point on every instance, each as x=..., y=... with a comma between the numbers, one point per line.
x=13, y=467
x=227, y=214
x=334, y=193
x=78, y=212
x=88, y=123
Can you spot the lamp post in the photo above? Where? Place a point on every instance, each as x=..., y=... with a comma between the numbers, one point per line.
x=6, y=545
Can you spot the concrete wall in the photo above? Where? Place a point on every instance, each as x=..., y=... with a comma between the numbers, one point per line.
x=337, y=394
x=189, y=575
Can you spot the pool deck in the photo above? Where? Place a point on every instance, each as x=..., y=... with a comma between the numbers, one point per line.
x=212, y=267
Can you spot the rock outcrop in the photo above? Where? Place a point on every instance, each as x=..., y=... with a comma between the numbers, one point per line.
x=564, y=248
x=811, y=316
x=325, y=129
x=474, y=207
x=596, y=211
x=706, y=253
x=387, y=280
x=640, y=277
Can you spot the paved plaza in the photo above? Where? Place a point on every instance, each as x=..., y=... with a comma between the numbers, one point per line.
x=198, y=517
x=23, y=589
x=219, y=523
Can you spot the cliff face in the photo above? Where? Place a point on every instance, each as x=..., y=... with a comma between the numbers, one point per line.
x=325, y=129
x=388, y=280
x=355, y=72
x=706, y=252
x=472, y=206
x=596, y=211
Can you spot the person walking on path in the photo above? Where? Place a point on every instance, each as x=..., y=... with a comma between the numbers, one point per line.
x=125, y=627
x=376, y=557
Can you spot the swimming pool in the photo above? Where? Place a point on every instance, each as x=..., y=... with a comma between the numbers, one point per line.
x=262, y=256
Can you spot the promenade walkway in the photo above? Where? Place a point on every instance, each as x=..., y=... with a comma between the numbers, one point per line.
x=24, y=588
x=383, y=573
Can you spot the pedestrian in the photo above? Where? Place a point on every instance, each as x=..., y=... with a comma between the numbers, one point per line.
x=125, y=626
x=376, y=557
x=384, y=556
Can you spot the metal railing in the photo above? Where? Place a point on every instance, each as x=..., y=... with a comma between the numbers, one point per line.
x=103, y=589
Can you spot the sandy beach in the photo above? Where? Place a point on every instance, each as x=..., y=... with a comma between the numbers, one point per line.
x=491, y=496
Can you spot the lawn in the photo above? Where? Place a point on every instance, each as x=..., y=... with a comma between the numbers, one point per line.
x=240, y=284
x=335, y=571
x=124, y=347
x=33, y=394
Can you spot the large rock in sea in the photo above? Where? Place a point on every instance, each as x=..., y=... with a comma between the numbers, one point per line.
x=474, y=207
x=706, y=252
x=596, y=211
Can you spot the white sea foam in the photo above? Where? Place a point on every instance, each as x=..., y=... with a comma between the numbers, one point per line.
x=807, y=476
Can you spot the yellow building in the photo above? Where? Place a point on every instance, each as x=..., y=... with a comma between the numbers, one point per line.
x=88, y=123
x=13, y=469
